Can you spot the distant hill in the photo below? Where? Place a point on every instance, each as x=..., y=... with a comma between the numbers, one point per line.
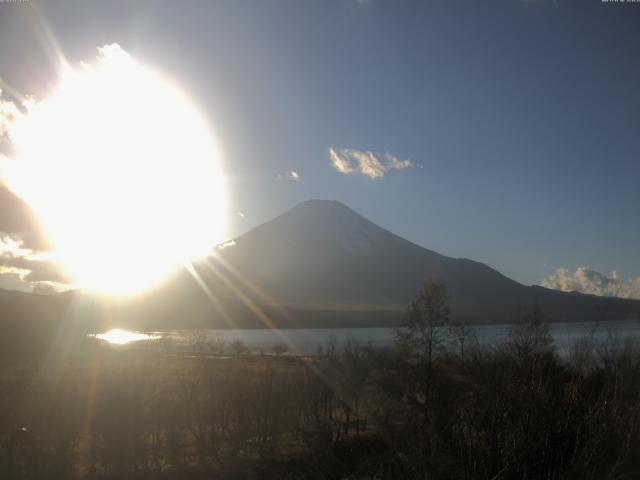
x=322, y=264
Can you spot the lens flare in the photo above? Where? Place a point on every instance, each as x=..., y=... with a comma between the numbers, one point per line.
x=122, y=172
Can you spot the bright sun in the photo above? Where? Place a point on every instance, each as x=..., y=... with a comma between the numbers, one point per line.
x=122, y=172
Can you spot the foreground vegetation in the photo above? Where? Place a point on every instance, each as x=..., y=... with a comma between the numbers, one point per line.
x=436, y=406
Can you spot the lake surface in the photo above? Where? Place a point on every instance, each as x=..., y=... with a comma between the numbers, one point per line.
x=307, y=341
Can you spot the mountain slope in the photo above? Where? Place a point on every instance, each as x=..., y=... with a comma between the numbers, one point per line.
x=323, y=256
x=324, y=252
x=319, y=264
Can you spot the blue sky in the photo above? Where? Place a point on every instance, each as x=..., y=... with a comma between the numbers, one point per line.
x=523, y=115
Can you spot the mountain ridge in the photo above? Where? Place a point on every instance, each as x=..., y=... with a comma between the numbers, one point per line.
x=321, y=264
x=325, y=233
x=358, y=271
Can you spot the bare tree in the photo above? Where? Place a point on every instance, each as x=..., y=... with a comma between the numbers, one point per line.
x=424, y=328
x=530, y=335
x=239, y=348
x=280, y=349
x=460, y=333
x=197, y=341
x=218, y=345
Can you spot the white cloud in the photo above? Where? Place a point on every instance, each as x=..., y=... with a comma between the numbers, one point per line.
x=590, y=281
x=368, y=164
x=8, y=115
x=340, y=162
x=26, y=269
x=12, y=247
x=347, y=160
x=394, y=163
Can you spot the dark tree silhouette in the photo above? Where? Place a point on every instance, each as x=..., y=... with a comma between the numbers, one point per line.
x=424, y=330
x=427, y=315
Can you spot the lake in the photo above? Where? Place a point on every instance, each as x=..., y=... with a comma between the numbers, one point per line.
x=306, y=341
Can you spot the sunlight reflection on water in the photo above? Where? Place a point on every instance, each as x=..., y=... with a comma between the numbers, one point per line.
x=118, y=336
x=307, y=340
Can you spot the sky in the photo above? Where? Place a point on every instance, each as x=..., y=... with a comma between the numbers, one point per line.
x=502, y=131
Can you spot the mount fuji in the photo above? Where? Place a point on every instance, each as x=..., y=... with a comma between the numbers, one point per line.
x=323, y=264
x=319, y=264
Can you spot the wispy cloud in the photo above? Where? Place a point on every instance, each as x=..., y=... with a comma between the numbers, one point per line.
x=340, y=162
x=368, y=163
x=293, y=175
x=593, y=282
x=394, y=163
x=289, y=175
x=349, y=160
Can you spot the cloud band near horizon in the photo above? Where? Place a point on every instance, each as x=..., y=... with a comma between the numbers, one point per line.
x=586, y=280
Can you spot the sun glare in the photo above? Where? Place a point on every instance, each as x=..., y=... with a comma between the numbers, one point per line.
x=122, y=337
x=122, y=171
